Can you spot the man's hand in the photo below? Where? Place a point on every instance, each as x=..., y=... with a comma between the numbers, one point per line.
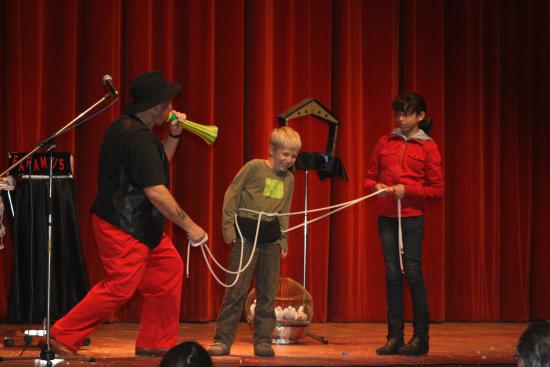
x=172, y=139
x=176, y=129
x=283, y=253
x=195, y=233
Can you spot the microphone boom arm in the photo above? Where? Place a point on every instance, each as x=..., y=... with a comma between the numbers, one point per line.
x=61, y=131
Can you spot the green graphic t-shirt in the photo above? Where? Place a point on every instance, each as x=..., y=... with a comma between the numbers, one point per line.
x=257, y=187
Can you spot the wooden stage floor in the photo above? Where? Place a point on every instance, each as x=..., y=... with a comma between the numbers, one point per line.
x=350, y=344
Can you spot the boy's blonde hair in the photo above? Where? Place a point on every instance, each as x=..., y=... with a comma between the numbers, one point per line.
x=285, y=137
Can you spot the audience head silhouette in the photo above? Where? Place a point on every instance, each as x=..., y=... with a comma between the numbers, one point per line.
x=188, y=354
x=533, y=349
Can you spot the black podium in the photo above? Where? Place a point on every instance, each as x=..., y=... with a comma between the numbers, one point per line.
x=28, y=288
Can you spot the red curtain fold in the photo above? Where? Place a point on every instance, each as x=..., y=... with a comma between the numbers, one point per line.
x=539, y=302
x=473, y=109
x=517, y=156
x=365, y=80
x=482, y=67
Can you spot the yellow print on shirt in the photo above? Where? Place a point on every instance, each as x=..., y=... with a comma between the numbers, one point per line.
x=274, y=188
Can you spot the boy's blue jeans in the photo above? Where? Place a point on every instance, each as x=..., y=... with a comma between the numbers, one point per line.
x=413, y=233
x=265, y=265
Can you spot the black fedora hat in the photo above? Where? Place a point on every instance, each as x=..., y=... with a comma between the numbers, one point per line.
x=148, y=90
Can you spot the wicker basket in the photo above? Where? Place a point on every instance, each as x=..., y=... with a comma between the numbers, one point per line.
x=293, y=309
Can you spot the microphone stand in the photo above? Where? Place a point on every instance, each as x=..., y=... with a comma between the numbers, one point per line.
x=46, y=352
x=319, y=338
x=305, y=224
x=61, y=131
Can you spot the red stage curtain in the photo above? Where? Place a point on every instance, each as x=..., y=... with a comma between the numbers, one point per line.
x=482, y=67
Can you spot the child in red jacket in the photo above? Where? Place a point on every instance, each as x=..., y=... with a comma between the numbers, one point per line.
x=408, y=164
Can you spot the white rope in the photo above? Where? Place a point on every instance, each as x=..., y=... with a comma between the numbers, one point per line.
x=345, y=204
x=240, y=270
x=400, y=236
x=338, y=206
x=205, y=249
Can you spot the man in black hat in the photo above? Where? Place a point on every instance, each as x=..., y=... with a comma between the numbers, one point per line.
x=127, y=216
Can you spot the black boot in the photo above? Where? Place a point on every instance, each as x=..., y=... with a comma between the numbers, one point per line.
x=419, y=342
x=395, y=336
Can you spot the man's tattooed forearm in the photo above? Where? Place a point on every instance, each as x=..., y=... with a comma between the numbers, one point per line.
x=180, y=213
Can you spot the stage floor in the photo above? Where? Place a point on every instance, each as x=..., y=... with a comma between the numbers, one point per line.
x=350, y=344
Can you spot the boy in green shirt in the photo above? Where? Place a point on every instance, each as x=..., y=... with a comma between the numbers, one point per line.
x=267, y=186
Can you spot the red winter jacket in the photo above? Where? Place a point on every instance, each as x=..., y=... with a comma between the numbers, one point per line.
x=415, y=163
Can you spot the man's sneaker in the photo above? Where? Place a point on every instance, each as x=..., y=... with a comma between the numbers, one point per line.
x=218, y=349
x=264, y=350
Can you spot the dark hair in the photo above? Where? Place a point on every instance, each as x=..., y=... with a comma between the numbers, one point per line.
x=413, y=103
x=534, y=345
x=188, y=354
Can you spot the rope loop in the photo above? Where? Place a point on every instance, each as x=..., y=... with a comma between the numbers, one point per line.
x=206, y=252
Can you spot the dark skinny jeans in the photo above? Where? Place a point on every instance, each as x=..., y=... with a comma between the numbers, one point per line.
x=413, y=234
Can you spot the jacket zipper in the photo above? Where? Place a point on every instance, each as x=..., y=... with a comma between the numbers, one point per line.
x=401, y=160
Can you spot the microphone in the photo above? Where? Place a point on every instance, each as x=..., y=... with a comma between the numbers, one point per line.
x=109, y=82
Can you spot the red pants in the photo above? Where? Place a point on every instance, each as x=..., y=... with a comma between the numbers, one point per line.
x=129, y=265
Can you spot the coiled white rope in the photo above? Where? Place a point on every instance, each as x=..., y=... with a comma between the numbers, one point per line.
x=203, y=245
x=338, y=207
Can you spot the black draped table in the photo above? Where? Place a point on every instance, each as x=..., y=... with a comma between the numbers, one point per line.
x=28, y=289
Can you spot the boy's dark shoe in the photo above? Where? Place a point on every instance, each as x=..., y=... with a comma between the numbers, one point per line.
x=264, y=350
x=218, y=349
